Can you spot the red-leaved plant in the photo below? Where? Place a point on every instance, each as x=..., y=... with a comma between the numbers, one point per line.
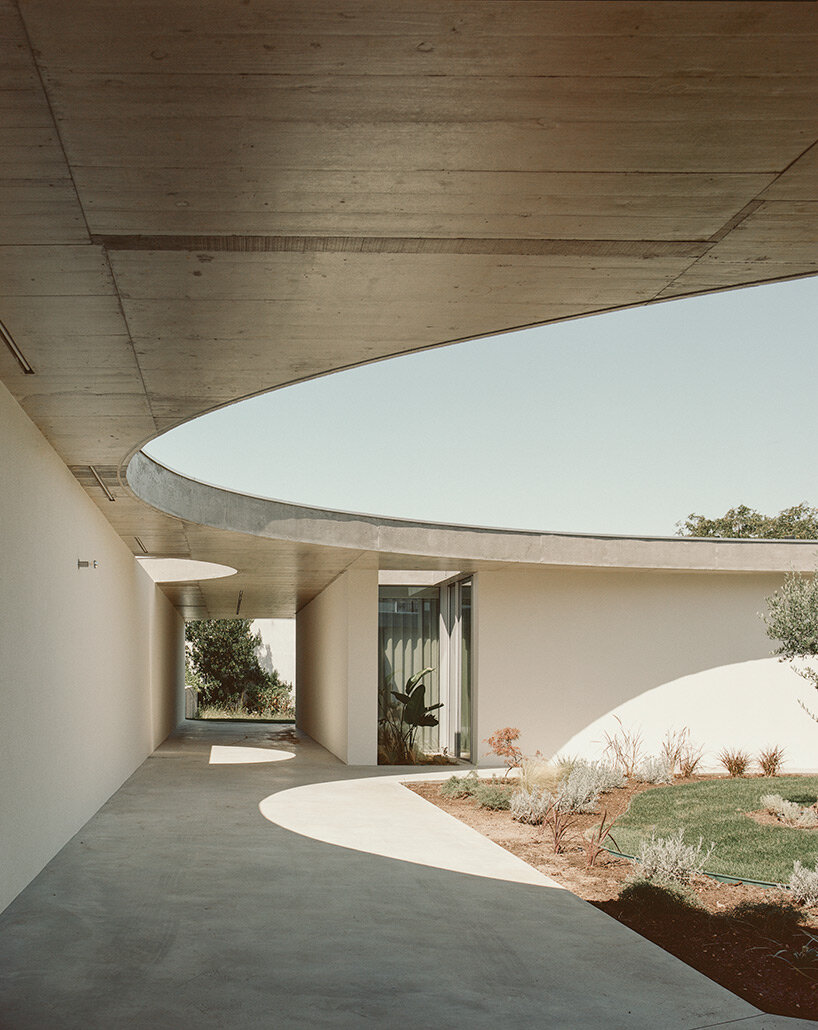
x=502, y=744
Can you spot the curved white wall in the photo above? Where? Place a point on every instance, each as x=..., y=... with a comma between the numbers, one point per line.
x=559, y=650
x=748, y=705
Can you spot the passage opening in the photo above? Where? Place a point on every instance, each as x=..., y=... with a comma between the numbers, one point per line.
x=236, y=669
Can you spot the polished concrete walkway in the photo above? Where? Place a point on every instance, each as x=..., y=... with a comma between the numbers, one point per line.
x=300, y=893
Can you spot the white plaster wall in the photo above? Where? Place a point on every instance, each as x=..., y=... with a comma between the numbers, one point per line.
x=167, y=673
x=90, y=660
x=336, y=667
x=748, y=705
x=558, y=652
x=279, y=636
x=362, y=667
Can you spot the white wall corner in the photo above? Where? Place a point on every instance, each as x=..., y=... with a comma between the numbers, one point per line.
x=362, y=667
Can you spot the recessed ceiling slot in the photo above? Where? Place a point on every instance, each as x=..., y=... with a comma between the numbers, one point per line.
x=102, y=486
x=18, y=355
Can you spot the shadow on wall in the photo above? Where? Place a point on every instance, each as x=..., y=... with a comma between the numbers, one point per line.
x=747, y=705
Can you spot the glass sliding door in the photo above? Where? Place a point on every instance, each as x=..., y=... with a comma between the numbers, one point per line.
x=459, y=635
x=465, y=678
x=408, y=642
x=426, y=628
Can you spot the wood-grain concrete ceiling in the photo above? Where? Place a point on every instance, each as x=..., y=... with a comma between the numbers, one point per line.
x=204, y=200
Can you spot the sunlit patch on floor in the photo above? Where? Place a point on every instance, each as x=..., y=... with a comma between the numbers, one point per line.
x=379, y=816
x=223, y=755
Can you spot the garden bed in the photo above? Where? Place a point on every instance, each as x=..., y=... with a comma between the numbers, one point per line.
x=746, y=938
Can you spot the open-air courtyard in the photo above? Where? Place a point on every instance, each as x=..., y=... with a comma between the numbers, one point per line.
x=354, y=903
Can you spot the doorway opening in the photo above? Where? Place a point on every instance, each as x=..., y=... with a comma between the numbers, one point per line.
x=425, y=672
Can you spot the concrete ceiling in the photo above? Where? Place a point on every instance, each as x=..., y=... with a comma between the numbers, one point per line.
x=204, y=200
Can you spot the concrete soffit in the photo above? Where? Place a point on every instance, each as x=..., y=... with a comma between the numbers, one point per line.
x=200, y=209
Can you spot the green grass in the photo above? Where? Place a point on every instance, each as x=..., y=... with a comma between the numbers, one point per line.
x=714, y=810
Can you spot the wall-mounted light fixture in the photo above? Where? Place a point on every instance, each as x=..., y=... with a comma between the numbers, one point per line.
x=18, y=355
x=91, y=564
x=102, y=486
x=238, y=603
x=140, y=545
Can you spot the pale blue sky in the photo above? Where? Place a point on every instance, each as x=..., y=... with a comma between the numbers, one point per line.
x=619, y=423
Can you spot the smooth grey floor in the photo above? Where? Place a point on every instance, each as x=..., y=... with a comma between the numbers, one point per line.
x=179, y=905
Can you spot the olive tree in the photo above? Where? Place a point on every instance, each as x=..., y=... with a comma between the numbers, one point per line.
x=800, y=522
x=791, y=620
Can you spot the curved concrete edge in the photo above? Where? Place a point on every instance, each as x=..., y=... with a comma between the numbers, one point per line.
x=212, y=506
x=379, y=816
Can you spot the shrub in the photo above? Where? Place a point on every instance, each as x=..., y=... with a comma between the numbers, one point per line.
x=780, y=807
x=530, y=806
x=596, y=838
x=654, y=770
x=805, y=958
x=734, y=761
x=668, y=860
x=674, y=746
x=565, y=763
x=624, y=748
x=502, y=744
x=689, y=761
x=536, y=773
x=580, y=790
x=460, y=786
x=608, y=777
x=771, y=918
x=789, y=811
x=489, y=794
x=276, y=701
x=771, y=759
x=661, y=901
x=803, y=884
x=558, y=823
x=540, y=807
x=401, y=719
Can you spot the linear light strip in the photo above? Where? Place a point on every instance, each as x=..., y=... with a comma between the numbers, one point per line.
x=140, y=545
x=18, y=355
x=102, y=486
x=408, y=245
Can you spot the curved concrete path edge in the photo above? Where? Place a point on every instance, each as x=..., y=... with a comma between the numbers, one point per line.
x=379, y=816
x=177, y=905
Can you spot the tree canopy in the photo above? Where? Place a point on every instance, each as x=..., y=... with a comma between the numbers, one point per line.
x=223, y=654
x=799, y=523
x=792, y=617
x=792, y=621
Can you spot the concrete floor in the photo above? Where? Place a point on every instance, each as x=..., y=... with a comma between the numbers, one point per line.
x=182, y=904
